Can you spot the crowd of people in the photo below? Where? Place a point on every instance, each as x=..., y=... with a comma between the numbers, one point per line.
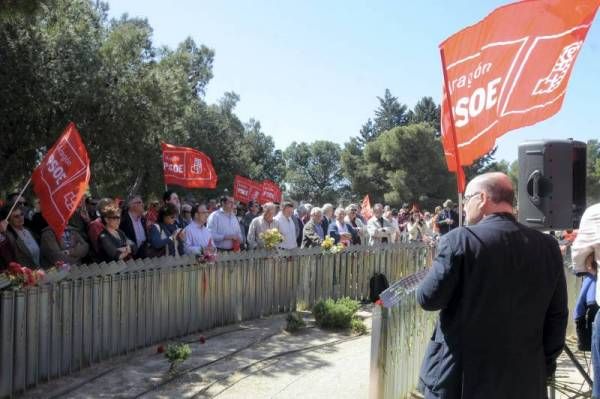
x=105, y=230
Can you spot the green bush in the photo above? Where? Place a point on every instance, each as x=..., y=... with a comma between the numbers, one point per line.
x=349, y=303
x=177, y=353
x=358, y=326
x=331, y=314
x=294, y=322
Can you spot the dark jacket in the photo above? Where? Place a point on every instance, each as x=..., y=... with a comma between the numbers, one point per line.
x=310, y=238
x=299, y=229
x=160, y=241
x=443, y=226
x=13, y=249
x=325, y=224
x=501, y=290
x=334, y=232
x=53, y=249
x=108, y=246
x=126, y=227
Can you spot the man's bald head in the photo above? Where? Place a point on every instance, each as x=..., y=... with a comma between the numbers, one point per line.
x=487, y=194
x=496, y=185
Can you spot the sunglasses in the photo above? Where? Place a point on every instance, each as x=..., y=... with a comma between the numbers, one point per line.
x=17, y=215
x=114, y=217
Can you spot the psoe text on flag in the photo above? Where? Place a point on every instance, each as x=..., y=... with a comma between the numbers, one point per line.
x=510, y=70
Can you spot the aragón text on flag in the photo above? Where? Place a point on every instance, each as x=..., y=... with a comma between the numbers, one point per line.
x=510, y=70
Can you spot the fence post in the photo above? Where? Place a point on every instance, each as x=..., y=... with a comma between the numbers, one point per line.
x=378, y=354
x=6, y=342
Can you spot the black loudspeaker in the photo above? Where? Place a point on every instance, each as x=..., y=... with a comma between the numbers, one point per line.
x=551, y=192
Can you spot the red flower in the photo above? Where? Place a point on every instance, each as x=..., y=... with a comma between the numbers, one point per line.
x=160, y=349
x=379, y=302
x=15, y=268
x=202, y=339
x=40, y=274
x=30, y=277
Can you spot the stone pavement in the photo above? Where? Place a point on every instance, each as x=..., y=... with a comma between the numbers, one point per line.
x=569, y=382
x=254, y=360
x=251, y=360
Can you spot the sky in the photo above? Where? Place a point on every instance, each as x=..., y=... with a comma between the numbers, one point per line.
x=312, y=69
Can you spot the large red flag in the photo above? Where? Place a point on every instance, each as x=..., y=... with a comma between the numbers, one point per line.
x=365, y=209
x=62, y=178
x=187, y=167
x=246, y=190
x=508, y=71
x=270, y=192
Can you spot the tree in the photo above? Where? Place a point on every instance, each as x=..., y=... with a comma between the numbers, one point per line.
x=125, y=95
x=409, y=161
x=261, y=158
x=391, y=113
x=367, y=133
x=11, y=9
x=313, y=171
x=426, y=111
x=593, y=172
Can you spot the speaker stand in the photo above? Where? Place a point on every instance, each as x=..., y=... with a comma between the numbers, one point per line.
x=581, y=371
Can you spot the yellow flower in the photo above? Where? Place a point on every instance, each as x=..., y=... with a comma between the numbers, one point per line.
x=327, y=243
x=272, y=238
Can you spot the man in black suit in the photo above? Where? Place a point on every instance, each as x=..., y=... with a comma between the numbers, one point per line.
x=500, y=288
x=133, y=224
x=448, y=218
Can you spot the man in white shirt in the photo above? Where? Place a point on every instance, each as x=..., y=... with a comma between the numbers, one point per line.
x=197, y=235
x=261, y=224
x=224, y=226
x=287, y=227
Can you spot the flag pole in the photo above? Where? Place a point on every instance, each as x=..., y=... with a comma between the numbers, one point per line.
x=459, y=170
x=12, y=208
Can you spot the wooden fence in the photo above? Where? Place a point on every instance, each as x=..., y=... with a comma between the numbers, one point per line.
x=99, y=311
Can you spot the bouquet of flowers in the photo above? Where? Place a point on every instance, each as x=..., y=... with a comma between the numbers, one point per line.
x=329, y=245
x=19, y=276
x=337, y=248
x=209, y=254
x=272, y=238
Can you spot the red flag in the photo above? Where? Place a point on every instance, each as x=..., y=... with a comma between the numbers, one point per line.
x=508, y=71
x=62, y=178
x=246, y=190
x=270, y=192
x=365, y=209
x=187, y=167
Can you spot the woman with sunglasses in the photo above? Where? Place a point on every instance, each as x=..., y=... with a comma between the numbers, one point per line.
x=112, y=242
x=20, y=245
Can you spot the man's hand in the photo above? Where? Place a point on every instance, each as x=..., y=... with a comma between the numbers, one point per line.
x=3, y=226
x=590, y=264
